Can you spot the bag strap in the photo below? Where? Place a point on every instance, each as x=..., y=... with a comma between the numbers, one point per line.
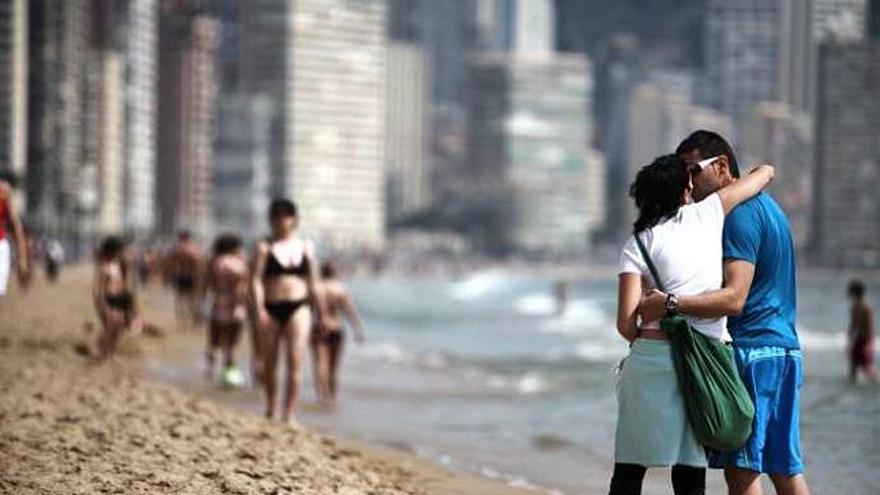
x=650, y=263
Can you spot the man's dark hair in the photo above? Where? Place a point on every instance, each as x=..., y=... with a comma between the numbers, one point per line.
x=282, y=208
x=111, y=247
x=709, y=144
x=184, y=235
x=227, y=243
x=658, y=190
x=856, y=288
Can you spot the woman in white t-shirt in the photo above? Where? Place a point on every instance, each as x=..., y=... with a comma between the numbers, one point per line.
x=683, y=239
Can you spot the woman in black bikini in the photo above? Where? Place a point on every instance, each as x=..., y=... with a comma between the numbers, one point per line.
x=285, y=282
x=112, y=293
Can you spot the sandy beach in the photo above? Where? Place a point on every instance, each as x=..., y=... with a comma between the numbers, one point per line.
x=68, y=425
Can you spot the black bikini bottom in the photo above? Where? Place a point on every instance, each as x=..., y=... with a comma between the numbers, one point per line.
x=331, y=337
x=281, y=311
x=122, y=301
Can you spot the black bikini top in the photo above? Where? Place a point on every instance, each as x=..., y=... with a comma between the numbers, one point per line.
x=274, y=268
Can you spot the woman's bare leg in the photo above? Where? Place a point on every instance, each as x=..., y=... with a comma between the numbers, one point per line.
x=298, y=331
x=271, y=341
x=316, y=369
x=334, y=358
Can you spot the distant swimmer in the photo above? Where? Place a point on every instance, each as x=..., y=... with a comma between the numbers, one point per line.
x=860, y=334
x=184, y=271
x=285, y=281
x=10, y=224
x=227, y=281
x=113, y=294
x=560, y=292
x=327, y=345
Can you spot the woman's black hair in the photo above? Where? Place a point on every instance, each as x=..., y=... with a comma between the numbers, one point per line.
x=658, y=190
x=856, y=288
x=328, y=269
x=111, y=247
x=227, y=243
x=282, y=208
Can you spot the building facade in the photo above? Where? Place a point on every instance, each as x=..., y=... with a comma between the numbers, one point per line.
x=845, y=221
x=186, y=120
x=13, y=85
x=334, y=119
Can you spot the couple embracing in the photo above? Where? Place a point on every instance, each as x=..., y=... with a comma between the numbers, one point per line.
x=724, y=255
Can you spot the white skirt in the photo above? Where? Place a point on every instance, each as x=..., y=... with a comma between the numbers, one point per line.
x=652, y=425
x=5, y=263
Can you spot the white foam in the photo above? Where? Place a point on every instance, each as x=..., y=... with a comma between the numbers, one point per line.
x=531, y=383
x=477, y=285
x=535, y=304
x=820, y=341
x=387, y=351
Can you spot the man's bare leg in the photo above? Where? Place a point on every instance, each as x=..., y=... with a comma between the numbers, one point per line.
x=790, y=485
x=742, y=481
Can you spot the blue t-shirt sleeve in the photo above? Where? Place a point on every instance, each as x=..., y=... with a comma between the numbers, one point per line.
x=742, y=237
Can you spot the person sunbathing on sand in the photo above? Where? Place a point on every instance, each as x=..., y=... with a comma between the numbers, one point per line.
x=113, y=295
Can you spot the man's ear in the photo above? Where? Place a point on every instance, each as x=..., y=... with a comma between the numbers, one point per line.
x=723, y=165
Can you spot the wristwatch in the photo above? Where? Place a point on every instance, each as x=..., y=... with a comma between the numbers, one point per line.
x=671, y=304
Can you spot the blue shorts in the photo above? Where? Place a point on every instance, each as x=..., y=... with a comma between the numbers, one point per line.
x=773, y=377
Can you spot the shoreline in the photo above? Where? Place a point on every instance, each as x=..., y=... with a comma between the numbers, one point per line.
x=72, y=426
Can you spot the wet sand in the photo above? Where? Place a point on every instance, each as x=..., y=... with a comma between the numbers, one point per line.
x=68, y=425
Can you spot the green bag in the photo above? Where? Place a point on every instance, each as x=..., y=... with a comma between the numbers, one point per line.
x=718, y=405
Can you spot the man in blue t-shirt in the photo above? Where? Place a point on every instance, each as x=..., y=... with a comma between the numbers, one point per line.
x=760, y=297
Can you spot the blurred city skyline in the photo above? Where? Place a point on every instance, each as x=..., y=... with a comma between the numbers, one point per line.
x=470, y=127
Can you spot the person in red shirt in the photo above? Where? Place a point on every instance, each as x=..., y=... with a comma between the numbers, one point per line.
x=10, y=224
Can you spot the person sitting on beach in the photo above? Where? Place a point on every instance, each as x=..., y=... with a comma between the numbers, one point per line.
x=327, y=345
x=183, y=269
x=10, y=224
x=760, y=298
x=227, y=280
x=860, y=336
x=285, y=289
x=113, y=294
x=683, y=239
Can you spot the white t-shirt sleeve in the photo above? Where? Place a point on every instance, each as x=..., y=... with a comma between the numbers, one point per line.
x=631, y=260
x=709, y=212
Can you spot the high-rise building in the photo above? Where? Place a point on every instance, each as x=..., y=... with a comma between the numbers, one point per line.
x=752, y=46
x=618, y=73
x=515, y=25
x=660, y=119
x=141, y=42
x=241, y=167
x=528, y=159
x=407, y=131
x=845, y=226
x=58, y=56
x=262, y=62
x=335, y=119
x=783, y=137
x=13, y=85
x=874, y=20
x=188, y=82
x=102, y=177
x=759, y=50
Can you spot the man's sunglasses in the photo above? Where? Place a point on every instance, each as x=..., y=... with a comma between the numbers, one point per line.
x=695, y=168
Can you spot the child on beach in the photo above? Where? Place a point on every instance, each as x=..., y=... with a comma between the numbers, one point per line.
x=113, y=295
x=860, y=334
x=228, y=277
x=327, y=345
